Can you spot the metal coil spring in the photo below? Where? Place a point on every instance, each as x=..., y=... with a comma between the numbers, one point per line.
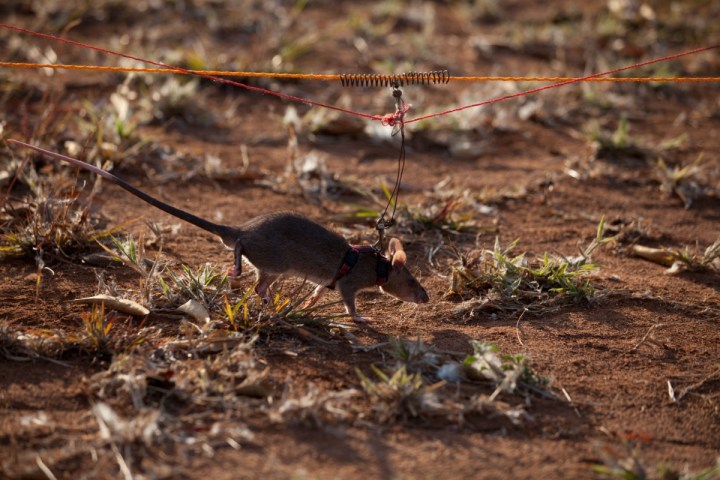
x=389, y=80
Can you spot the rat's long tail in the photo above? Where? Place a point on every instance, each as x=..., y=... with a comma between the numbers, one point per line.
x=220, y=230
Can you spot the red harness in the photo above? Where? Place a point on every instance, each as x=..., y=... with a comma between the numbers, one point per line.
x=351, y=258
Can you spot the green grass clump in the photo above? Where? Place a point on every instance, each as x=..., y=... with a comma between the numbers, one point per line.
x=514, y=282
x=401, y=394
x=422, y=382
x=281, y=314
x=204, y=284
x=510, y=373
x=617, y=145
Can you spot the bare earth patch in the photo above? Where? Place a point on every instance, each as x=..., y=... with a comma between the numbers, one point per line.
x=552, y=346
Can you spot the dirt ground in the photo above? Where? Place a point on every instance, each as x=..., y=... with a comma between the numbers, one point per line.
x=634, y=367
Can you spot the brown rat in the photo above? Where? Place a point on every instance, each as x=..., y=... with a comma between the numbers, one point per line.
x=279, y=244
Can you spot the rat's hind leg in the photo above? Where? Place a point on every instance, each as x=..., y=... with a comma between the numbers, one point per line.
x=237, y=267
x=235, y=270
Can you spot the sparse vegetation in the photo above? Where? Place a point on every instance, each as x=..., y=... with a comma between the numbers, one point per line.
x=452, y=215
x=509, y=373
x=423, y=383
x=47, y=224
x=402, y=394
x=625, y=462
x=449, y=213
x=97, y=325
x=498, y=281
x=282, y=315
x=616, y=145
x=683, y=259
x=686, y=182
x=131, y=355
x=204, y=284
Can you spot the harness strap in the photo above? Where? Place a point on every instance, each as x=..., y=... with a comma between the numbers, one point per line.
x=382, y=270
x=349, y=260
x=352, y=255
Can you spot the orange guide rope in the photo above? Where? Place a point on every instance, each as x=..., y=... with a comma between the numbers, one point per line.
x=335, y=77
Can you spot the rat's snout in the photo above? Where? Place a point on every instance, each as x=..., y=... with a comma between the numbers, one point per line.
x=405, y=287
x=422, y=296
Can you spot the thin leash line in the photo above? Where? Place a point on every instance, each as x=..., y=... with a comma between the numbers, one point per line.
x=334, y=77
x=401, y=170
x=189, y=72
x=394, y=198
x=396, y=120
x=560, y=84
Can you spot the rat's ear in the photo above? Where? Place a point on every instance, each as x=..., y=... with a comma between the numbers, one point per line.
x=397, y=254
